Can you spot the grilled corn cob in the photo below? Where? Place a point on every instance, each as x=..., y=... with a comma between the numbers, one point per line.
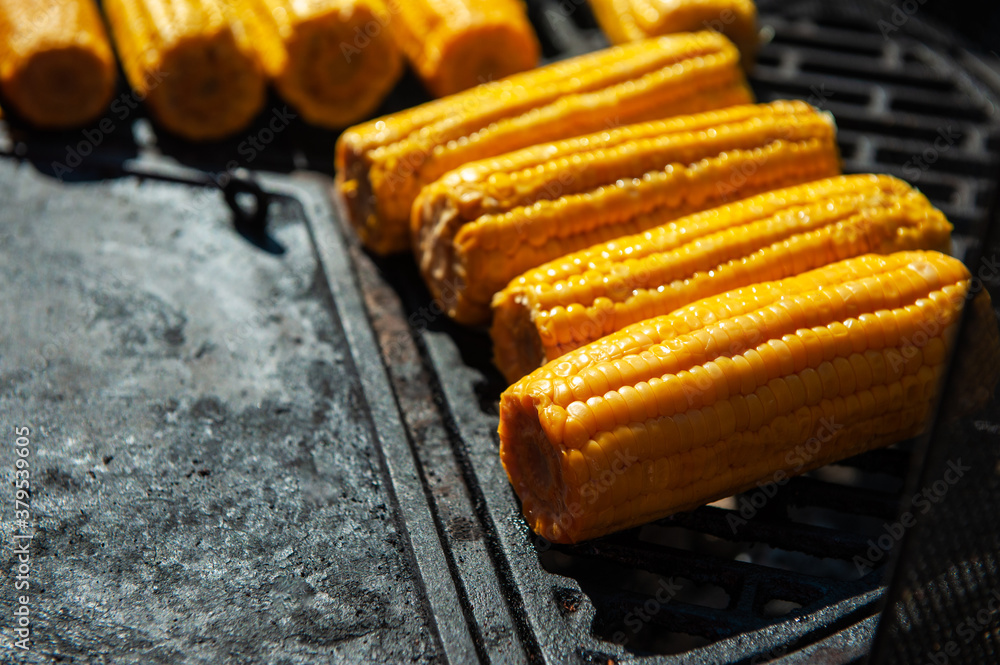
x=56, y=65
x=480, y=226
x=687, y=408
x=631, y=20
x=333, y=60
x=192, y=62
x=456, y=44
x=382, y=164
x=583, y=296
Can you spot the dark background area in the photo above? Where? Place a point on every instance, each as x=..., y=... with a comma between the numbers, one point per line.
x=978, y=21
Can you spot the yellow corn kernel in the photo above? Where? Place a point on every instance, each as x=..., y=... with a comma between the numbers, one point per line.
x=382, y=164
x=580, y=297
x=192, y=61
x=56, y=65
x=705, y=443
x=481, y=225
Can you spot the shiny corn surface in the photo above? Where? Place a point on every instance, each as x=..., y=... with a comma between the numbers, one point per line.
x=779, y=377
x=484, y=224
x=585, y=295
x=383, y=164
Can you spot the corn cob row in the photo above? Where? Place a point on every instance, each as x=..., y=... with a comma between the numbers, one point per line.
x=56, y=65
x=480, y=226
x=192, y=61
x=683, y=409
x=334, y=61
x=583, y=296
x=457, y=44
x=382, y=164
x=631, y=20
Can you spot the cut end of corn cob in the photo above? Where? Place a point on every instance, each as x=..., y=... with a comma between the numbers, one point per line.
x=458, y=44
x=583, y=296
x=192, y=61
x=383, y=164
x=482, y=54
x=480, y=226
x=780, y=377
x=334, y=63
x=616, y=19
x=629, y=20
x=56, y=65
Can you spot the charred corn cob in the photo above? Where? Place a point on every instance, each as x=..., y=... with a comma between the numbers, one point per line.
x=687, y=408
x=382, y=164
x=456, y=44
x=192, y=62
x=630, y=20
x=584, y=296
x=482, y=225
x=56, y=65
x=333, y=60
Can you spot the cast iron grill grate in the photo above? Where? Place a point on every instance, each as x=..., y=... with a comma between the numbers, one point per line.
x=761, y=575
x=748, y=579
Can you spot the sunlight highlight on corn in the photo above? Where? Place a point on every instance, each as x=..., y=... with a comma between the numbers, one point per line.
x=383, y=164
x=586, y=295
x=683, y=409
x=482, y=225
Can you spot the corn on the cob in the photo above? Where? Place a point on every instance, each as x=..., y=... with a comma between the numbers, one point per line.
x=192, y=62
x=334, y=61
x=584, y=296
x=382, y=164
x=56, y=65
x=480, y=226
x=456, y=44
x=631, y=20
x=687, y=408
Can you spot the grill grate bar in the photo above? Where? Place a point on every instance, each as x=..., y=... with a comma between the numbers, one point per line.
x=619, y=607
x=891, y=461
x=732, y=575
x=806, y=491
x=786, y=571
x=784, y=534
